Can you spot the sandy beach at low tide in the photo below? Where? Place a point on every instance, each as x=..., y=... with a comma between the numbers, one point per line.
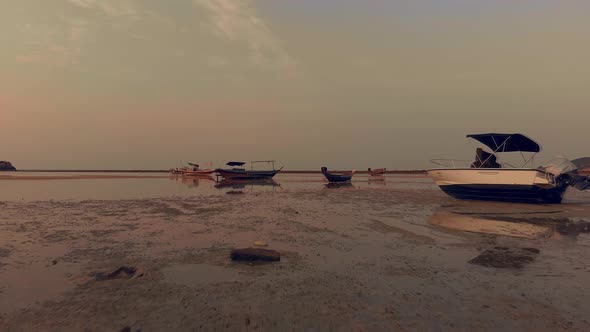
x=359, y=258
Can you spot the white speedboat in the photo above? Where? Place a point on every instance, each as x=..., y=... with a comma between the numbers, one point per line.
x=486, y=179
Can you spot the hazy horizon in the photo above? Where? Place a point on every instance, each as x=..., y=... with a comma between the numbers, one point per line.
x=129, y=84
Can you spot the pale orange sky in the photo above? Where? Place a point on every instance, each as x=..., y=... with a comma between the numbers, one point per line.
x=346, y=84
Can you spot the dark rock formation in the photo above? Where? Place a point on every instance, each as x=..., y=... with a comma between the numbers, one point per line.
x=505, y=258
x=6, y=166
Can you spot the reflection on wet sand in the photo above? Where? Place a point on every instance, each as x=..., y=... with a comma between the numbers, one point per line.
x=337, y=185
x=193, y=181
x=469, y=223
x=529, y=225
x=242, y=184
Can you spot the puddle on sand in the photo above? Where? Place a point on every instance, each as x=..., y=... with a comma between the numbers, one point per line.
x=36, y=284
x=192, y=275
x=488, y=226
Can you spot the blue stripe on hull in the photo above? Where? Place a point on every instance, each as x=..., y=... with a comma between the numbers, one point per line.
x=506, y=193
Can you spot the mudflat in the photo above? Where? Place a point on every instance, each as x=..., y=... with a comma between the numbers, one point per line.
x=382, y=257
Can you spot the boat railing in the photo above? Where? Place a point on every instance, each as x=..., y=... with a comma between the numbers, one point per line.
x=458, y=163
x=451, y=163
x=271, y=162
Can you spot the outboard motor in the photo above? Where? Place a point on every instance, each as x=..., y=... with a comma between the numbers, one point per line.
x=567, y=171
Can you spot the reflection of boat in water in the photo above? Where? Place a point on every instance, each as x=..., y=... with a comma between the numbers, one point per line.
x=478, y=224
x=243, y=183
x=486, y=179
x=343, y=176
x=193, y=181
x=238, y=171
x=513, y=224
x=337, y=185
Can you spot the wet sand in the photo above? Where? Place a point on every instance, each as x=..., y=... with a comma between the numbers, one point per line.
x=77, y=177
x=362, y=258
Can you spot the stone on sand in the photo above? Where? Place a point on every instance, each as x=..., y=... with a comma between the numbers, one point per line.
x=255, y=254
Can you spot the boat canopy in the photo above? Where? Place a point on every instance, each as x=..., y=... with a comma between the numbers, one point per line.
x=507, y=142
x=236, y=163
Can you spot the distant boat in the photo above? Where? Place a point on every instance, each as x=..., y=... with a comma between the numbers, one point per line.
x=377, y=171
x=344, y=176
x=177, y=171
x=238, y=171
x=195, y=170
x=486, y=179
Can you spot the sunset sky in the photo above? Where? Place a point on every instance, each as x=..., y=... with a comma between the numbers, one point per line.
x=342, y=83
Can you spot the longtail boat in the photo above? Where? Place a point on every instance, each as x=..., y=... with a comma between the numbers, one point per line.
x=195, y=170
x=377, y=171
x=342, y=176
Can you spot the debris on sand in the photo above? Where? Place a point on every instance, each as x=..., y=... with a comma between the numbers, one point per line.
x=255, y=254
x=123, y=272
x=505, y=258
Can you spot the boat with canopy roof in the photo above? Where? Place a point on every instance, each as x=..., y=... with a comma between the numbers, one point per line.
x=487, y=179
x=238, y=171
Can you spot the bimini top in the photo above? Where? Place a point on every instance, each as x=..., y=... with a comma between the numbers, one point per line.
x=507, y=142
x=236, y=163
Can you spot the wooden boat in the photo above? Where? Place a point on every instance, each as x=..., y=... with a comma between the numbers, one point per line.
x=377, y=174
x=377, y=171
x=337, y=176
x=176, y=171
x=195, y=170
x=238, y=171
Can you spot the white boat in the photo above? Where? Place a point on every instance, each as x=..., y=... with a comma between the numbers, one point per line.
x=486, y=179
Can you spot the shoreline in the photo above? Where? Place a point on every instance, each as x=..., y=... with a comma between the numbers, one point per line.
x=167, y=171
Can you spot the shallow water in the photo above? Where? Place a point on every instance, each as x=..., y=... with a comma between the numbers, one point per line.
x=82, y=186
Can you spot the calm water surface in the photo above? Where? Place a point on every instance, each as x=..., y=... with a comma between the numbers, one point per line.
x=38, y=186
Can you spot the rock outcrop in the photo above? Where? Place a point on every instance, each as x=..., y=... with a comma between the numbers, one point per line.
x=6, y=166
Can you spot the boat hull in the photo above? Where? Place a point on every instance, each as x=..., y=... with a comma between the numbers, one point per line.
x=506, y=193
x=506, y=185
x=240, y=174
x=338, y=178
x=204, y=172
